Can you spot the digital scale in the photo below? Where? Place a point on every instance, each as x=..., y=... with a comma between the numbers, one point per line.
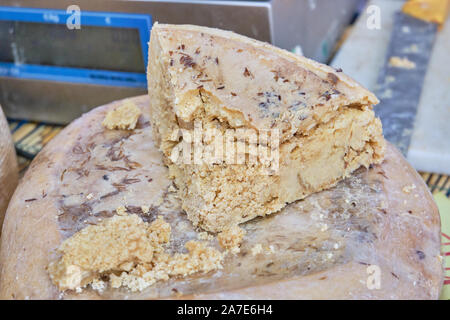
x=52, y=72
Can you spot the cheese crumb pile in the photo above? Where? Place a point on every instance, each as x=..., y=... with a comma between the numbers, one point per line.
x=231, y=238
x=404, y=63
x=124, y=117
x=199, y=258
x=204, y=236
x=130, y=253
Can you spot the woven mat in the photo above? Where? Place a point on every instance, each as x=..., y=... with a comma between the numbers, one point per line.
x=29, y=139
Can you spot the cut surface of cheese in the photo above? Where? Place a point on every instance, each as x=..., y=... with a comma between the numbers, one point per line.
x=315, y=124
x=8, y=167
x=327, y=246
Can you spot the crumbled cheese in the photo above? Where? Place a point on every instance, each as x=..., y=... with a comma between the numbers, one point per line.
x=124, y=117
x=204, y=236
x=145, y=209
x=199, y=258
x=386, y=94
x=404, y=63
x=121, y=211
x=235, y=250
x=231, y=237
x=98, y=285
x=130, y=252
x=411, y=49
x=257, y=249
x=389, y=79
x=271, y=249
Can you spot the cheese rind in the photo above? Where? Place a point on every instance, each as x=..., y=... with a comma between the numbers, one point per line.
x=124, y=117
x=324, y=122
x=365, y=220
x=8, y=167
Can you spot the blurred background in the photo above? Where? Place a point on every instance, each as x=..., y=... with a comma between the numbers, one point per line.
x=59, y=59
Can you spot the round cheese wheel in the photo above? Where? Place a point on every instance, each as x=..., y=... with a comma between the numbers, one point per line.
x=8, y=166
x=376, y=235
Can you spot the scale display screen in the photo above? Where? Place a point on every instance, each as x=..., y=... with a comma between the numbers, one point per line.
x=107, y=49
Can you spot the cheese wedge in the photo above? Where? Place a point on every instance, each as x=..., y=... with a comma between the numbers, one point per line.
x=247, y=128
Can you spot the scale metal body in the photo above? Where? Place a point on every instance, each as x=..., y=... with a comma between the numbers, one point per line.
x=52, y=73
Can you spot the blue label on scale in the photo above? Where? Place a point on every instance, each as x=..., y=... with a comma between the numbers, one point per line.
x=100, y=48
